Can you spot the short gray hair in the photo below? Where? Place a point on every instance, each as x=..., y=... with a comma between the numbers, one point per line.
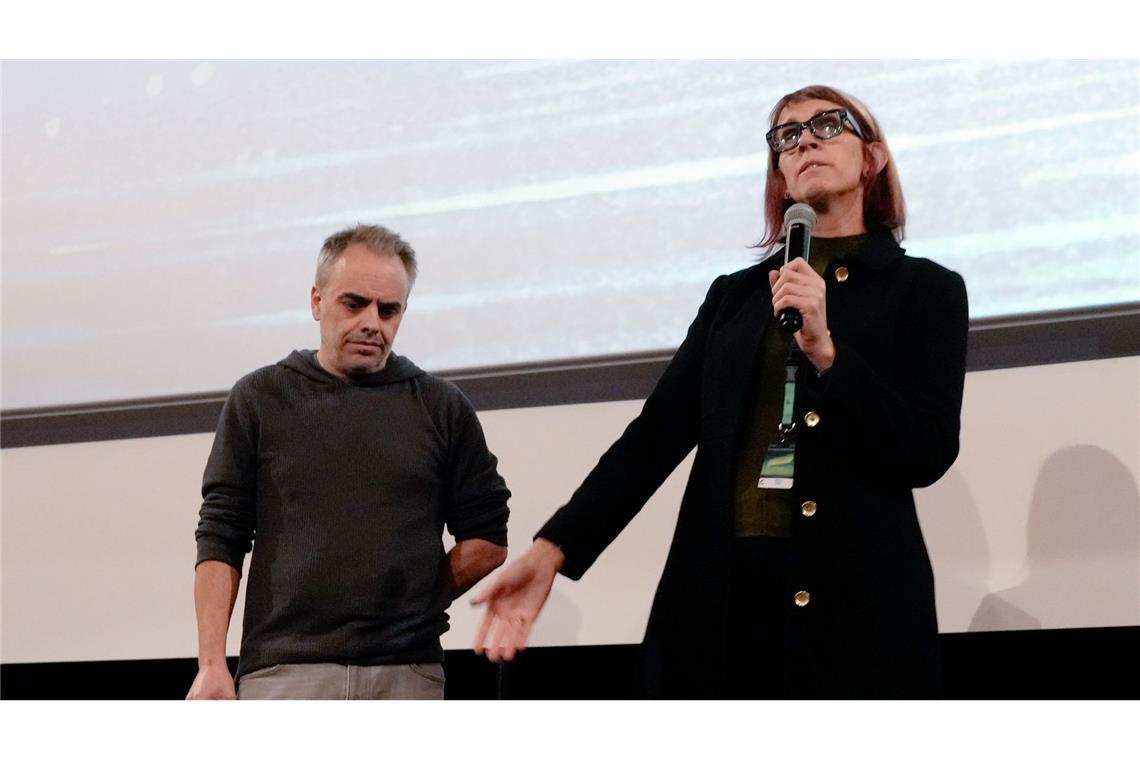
x=380, y=240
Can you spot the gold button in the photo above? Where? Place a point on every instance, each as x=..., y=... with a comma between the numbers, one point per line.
x=808, y=508
x=841, y=274
x=811, y=419
x=802, y=598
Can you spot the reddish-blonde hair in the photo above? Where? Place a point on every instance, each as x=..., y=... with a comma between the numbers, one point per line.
x=883, y=204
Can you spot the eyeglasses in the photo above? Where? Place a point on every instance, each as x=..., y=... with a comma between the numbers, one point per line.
x=826, y=125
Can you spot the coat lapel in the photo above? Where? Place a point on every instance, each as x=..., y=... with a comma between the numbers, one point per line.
x=733, y=349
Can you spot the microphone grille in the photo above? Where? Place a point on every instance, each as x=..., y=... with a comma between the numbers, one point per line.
x=800, y=213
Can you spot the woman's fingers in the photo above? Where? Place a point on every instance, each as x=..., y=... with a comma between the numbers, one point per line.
x=506, y=638
x=484, y=629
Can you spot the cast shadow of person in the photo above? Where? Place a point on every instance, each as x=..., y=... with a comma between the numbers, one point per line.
x=959, y=551
x=1083, y=549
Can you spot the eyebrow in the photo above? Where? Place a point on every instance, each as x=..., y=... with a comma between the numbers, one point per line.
x=362, y=299
x=805, y=121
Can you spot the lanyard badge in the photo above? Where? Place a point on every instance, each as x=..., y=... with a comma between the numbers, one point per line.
x=779, y=467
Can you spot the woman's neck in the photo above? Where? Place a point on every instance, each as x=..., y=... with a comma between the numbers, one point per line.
x=839, y=216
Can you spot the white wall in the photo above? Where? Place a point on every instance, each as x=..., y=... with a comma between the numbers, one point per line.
x=1036, y=525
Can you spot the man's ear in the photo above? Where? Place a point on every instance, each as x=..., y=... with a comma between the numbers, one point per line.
x=315, y=303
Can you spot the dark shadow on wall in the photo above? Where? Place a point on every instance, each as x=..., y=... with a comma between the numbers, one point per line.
x=956, y=541
x=1083, y=553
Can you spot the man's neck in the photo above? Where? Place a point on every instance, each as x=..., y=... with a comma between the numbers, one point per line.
x=327, y=367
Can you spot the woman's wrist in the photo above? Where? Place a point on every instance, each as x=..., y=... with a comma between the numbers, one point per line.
x=823, y=357
x=548, y=553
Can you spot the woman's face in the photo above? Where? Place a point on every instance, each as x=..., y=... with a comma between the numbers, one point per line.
x=820, y=172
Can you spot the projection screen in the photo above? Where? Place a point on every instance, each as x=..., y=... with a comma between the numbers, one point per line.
x=168, y=213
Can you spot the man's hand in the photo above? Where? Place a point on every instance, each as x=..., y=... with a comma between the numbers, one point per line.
x=213, y=682
x=514, y=599
x=797, y=286
x=215, y=589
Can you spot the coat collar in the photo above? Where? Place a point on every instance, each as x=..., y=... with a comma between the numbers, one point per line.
x=880, y=250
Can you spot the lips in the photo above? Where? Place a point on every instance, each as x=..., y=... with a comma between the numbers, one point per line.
x=811, y=165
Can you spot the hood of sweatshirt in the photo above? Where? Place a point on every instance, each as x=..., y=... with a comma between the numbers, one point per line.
x=396, y=370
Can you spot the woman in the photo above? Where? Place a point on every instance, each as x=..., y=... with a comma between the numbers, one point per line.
x=824, y=589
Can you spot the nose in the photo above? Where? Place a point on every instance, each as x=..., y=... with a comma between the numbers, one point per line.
x=370, y=323
x=808, y=141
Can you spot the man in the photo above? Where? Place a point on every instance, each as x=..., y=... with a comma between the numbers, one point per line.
x=341, y=467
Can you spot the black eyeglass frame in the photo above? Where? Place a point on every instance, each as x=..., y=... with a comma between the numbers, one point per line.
x=845, y=117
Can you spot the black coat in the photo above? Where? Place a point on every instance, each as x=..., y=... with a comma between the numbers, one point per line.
x=888, y=422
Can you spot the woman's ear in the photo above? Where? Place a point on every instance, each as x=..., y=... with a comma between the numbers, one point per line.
x=877, y=159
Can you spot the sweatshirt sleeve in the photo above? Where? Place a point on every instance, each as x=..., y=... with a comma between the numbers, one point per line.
x=227, y=519
x=475, y=494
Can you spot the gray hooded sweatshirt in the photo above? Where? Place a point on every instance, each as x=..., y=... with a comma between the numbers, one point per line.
x=343, y=489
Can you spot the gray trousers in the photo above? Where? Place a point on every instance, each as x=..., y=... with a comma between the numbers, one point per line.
x=332, y=681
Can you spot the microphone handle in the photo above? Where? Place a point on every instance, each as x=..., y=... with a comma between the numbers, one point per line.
x=790, y=319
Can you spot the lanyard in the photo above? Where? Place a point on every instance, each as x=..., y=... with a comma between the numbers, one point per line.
x=787, y=425
x=779, y=466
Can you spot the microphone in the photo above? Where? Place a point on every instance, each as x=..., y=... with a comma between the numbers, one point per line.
x=798, y=223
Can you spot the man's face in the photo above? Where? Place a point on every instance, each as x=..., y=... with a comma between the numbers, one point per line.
x=360, y=309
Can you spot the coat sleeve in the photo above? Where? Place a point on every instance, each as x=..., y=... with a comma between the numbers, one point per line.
x=907, y=427
x=636, y=465
x=227, y=519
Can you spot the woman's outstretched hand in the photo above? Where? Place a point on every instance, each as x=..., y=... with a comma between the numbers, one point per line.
x=514, y=598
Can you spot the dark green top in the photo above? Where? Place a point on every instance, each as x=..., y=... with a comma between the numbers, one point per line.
x=768, y=512
x=343, y=488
